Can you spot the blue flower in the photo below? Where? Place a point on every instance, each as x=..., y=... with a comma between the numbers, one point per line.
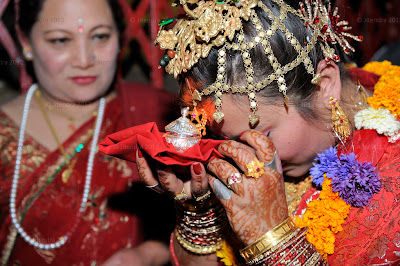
x=356, y=182
x=327, y=163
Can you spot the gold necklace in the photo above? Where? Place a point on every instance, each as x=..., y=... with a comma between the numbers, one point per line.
x=67, y=173
x=70, y=119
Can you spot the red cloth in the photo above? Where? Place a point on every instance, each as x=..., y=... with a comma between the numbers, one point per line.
x=123, y=144
x=367, y=79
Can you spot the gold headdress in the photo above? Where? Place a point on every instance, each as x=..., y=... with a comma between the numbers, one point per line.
x=215, y=23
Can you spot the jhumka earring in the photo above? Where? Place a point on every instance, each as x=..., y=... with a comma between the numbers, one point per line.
x=340, y=122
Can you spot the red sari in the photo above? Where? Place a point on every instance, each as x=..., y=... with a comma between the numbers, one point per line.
x=370, y=235
x=103, y=227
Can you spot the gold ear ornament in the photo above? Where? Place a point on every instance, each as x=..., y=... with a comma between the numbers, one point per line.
x=340, y=122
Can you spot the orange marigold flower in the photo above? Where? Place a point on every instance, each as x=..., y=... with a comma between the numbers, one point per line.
x=226, y=254
x=387, y=92
x=378, y=68
x=324, y=217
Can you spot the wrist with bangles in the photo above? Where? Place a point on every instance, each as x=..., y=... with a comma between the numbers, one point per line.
x=283, y=245
x=200, y=224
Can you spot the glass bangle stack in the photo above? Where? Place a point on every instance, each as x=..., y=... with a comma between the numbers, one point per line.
x=200, y=225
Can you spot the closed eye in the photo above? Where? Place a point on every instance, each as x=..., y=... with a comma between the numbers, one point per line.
x=103, y=36
x=59, y=40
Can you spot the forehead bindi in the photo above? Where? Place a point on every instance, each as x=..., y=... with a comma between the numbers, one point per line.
x=71, y=15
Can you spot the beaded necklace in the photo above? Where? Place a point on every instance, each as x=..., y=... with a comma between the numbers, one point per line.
x=17, y=224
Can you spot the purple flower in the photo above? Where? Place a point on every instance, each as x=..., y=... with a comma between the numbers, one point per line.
x=356, y=182
x=327, y=163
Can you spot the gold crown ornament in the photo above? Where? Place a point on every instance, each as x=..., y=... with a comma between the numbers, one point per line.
x=219, y=24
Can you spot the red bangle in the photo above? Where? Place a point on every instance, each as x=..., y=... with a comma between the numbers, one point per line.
x=174, y=259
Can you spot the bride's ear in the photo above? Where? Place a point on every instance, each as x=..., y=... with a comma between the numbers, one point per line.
x=330, y=85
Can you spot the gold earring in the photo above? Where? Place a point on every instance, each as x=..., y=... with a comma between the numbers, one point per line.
x=317, y=79
x=28, y=54
x=340, y=122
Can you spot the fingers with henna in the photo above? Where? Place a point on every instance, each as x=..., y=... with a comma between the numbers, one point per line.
x=199, y=182
x=263, y=146
x=265, y=149
x=145, y=173
x=169, y=181
x=239, y=152
x=225, y=171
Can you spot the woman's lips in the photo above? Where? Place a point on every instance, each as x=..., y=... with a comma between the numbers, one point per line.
x=84, y=80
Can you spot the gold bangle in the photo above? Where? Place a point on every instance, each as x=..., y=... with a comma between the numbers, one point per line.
x=267, y=241
x=197, y=249
x=197, y=206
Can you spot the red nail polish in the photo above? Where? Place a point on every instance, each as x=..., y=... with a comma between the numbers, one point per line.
x=197, y=168
x=140, y=154
x=241, y=134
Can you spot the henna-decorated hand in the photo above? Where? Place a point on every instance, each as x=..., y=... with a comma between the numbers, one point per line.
x=167, y=181
x=255, y=206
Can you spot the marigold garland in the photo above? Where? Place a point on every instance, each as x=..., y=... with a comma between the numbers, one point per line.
x=378, y=68
x=324, y=218
x=346, y=183
x=387, y=89
x=226, y=254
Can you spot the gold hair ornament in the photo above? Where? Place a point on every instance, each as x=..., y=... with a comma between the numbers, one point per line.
x=319, y=17
x=218, y=23
x=199, y=119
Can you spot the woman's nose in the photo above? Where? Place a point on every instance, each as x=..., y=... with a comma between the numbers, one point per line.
x=84, y=56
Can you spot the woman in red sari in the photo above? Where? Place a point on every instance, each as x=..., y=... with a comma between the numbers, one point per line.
x=68, y=205
x=269, y=75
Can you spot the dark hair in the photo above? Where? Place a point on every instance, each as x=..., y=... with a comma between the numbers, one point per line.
x=301, y=91
x=29, y=11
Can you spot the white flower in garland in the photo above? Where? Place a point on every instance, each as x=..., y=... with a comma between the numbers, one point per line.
x=380, y=120
x=394, y=138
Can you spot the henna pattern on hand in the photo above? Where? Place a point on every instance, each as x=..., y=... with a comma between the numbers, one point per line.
x=143, y=172
x=198, y=186
x=259, y=210
x=264, y=147
x=222, y=169
x=261, y=204
x=234, y=150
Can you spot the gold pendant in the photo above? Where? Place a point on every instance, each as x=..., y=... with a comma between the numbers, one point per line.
x=218, y=116
x=66, y=174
